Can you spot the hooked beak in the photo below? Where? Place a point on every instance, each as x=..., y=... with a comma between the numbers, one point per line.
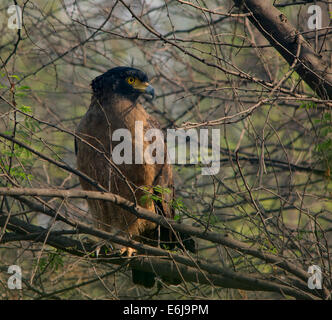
x=144, y=87
x=149, y=90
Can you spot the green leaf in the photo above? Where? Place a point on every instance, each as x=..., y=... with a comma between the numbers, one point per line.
x=176, y=217
x=23, y=88
x=26, y=109
x=21, y=94
x=145, y=199
x=14, y=76
x=325, y=131
x=327, y=116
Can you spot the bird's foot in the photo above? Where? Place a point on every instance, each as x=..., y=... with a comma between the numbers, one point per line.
x=127, y=251
x=102, y=248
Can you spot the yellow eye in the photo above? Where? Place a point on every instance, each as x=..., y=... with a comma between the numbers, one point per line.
x=130, y=80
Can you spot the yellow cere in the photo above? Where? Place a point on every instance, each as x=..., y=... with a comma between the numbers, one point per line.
x=137, y=84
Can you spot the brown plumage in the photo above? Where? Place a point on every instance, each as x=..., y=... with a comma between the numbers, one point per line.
x=114, y=106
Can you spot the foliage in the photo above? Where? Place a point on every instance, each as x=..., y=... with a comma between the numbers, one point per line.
x=269, y=206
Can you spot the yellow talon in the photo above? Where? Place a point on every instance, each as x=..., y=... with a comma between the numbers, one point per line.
x=127, y=251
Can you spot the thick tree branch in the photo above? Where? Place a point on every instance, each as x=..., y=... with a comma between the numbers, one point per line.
x=181, y=267
x=223, y=239
x=275, y=27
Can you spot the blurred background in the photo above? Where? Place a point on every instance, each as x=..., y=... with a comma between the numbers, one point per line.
x=207, y=62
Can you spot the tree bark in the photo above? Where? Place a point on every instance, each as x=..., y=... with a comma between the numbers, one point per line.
x=140, y=212
x=181, y=267
x=275, y=27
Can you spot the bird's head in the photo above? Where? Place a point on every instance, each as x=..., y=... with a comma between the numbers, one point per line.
x=126, y=81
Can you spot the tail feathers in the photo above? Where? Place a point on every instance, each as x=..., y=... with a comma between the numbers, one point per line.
x=167, y=237
x=143, y=278
x=188, y=242
x=147, y=279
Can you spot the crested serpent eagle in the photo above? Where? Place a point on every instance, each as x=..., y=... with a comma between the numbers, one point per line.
x=114, y=105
